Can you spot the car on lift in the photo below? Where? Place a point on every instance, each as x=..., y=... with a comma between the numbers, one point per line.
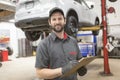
x=32, y=16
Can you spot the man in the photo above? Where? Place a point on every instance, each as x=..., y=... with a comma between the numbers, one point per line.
x=58, y=53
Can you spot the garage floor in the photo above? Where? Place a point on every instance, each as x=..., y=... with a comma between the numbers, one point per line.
x=23, y=69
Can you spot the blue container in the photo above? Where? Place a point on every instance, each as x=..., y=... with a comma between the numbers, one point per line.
x=87, y=49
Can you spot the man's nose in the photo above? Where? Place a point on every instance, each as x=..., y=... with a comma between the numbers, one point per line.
x=57, y=21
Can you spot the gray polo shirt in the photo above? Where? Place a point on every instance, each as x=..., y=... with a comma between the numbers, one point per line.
x=53, y=52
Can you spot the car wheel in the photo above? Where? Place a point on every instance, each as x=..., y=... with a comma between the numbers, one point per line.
x=44, y=34
x=32, y=35
x=96, y=32
x=71, y=26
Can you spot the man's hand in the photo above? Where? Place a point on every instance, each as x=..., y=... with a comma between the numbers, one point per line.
x=82, y=71
x=69, y=66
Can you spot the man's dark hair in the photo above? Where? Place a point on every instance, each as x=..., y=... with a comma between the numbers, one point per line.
x=55, y=10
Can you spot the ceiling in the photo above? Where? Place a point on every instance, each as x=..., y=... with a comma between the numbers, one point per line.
x=7, y=10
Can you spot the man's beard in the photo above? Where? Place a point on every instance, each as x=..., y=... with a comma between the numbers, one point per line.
x=60, y=30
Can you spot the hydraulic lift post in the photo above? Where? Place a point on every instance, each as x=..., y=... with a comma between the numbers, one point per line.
x=104, y=22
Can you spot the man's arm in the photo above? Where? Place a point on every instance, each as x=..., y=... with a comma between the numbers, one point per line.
x=46, y=73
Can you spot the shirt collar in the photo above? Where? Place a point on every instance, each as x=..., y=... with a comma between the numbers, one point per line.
x=55, y=37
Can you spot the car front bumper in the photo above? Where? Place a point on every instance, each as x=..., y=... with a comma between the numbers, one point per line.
x=32, y=23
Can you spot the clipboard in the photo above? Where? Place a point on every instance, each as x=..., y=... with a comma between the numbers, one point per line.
x=82, y=62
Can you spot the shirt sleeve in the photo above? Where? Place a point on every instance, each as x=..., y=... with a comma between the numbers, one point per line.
x=42, y=58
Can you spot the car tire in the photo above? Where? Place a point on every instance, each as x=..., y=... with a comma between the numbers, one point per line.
x=32, y=35
x=71, y=27
x=44, y=34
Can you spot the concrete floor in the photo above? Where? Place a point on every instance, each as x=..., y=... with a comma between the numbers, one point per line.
x=18, y=69
x=23, y=69
x=96, y=70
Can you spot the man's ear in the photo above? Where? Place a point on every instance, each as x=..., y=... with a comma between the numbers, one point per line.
x=49, y=22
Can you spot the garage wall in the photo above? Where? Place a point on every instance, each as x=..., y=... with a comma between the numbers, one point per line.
x=15, y=34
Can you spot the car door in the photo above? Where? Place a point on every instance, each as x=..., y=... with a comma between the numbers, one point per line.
x=79, y=9
x=82, y=11
x=76, y=5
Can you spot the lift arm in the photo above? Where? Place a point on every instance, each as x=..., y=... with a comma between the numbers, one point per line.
x=92, y=28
